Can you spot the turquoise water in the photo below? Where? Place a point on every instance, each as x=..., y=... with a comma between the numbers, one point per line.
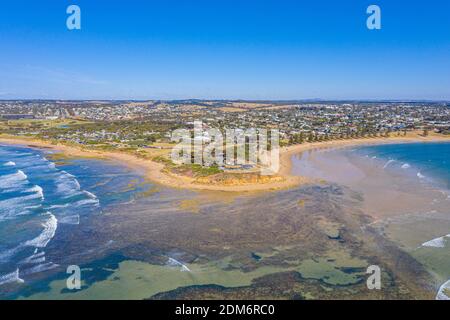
x=37, y=197
x=429, y=162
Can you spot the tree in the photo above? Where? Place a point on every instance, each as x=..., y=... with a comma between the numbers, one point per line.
x=387, y=133
x=291, y=139
x=301, y=138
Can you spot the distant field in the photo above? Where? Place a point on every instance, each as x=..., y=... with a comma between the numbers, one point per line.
x=41, y=122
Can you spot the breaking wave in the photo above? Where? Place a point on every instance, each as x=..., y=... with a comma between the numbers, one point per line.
x=67, y=184
x=36, y=199
x=90, y=194
x=388, y=163
x=37, y=189
x=40, y=268
x=10, y=277
x=437, y=242
x=441, y=292
x=175, y=263
x=47, y=234
x=420, y=175
x=86, y=201
x=38, y=257
x=13, y=180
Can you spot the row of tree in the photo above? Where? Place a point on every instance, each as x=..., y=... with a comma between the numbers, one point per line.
x=311, y=136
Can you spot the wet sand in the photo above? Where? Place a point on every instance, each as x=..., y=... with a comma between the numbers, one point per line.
x=404, y=208
x=386, y=193
x=154, y=170
x=287, y=152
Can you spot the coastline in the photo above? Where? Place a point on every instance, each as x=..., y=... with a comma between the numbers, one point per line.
x=403, y=207
x=134, y=226
x=154, y=170
x=287, y=152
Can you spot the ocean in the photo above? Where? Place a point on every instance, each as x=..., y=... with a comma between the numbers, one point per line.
x=38, y=196
x=427, y=161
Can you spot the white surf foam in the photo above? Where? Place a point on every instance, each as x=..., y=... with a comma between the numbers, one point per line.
x=46, y=235
x=58, y=206
x=67, y=184
x=406, y=166
x=13, y=180
x=40, y=268
x=388, y=163
x=420, y=175
x=437, y=242
x=37, y=189
x=67, y=174
x=73, y=219
x=90, y=194
x=34, y=207
x=10, y=277
x=22, y=154
x=86, y=202
x=20, y=201
x=175, y=263
x=10, y=164
x=17, y=205
x=441, y=293
x=38, y=257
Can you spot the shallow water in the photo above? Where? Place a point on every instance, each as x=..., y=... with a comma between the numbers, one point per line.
x=405, y=187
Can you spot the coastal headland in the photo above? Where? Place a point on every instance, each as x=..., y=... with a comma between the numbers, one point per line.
x=157, y=172
x=322, y=236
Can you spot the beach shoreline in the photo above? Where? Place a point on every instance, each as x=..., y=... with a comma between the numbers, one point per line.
x=154, y=171
x=135, y=221
x=287, y=152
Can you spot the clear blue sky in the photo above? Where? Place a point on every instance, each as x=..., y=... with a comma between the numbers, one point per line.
x=225, y=49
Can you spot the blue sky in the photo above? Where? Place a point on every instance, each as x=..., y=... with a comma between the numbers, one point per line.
x=225, y=49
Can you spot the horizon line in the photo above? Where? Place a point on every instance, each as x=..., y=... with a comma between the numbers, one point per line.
x=233, y=100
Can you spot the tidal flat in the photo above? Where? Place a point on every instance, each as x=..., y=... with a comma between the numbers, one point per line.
x=404, y=188
x=249, y=246
x=314, y=241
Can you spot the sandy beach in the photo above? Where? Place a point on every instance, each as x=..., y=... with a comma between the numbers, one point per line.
x=154, y=170
x=287, y=152
x=279, y=226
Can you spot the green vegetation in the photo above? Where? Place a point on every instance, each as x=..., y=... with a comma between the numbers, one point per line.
x=199, y=170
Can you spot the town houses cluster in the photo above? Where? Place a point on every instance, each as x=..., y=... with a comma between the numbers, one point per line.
x=141, y=123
